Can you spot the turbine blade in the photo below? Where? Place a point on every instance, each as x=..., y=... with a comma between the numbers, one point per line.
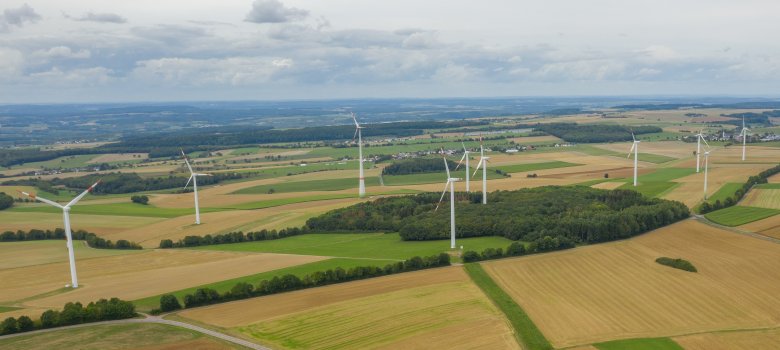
x=43, y=200
x=631, y=150
x=478, y=165
x=185, y=160
x=705, y=142
x=460, y=161
x=79, y=197
x=447, y=167
x=464, y=147
x=632, y=136
x=442, y=194
x=354, y=137
x=354, y=119
x=188, y=182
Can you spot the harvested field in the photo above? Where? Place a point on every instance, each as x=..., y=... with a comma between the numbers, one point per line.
x=768, y=227
x=20, y=254
x=616, y=290
x=691, y=190
x=673, y=149
x=118, y=157
x=138, y=275
x=762, y=198
x=531, y=140
x=608, y=185
x=767, y=339
x=408, y=310
x=100, y=224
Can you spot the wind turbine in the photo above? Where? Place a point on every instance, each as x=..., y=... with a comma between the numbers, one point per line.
x=744, y=137
x=451, y=183
x=699, y=138
x=635, y=149
x=466, y=157
x=706, y=168
x=361, y=178
x=483, y=163
x=74, y=280
x=194, y=179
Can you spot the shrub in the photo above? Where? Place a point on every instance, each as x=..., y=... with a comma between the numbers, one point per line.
x=169, y=302
x=142, y=199
x=470, y=256
x=6, y=201
x=25, y=324
x=677, y=264
x=8, y=326
x=515, y=249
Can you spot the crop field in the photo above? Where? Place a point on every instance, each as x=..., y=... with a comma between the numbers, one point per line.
x=669, y=149
x=20, y=254
x=400, y=311
x=744, y=340
x=117, y=337
x=769, y=186
x=519, y=168
x=135, y=276
x=650, y=189
x=426, y=178
x=762, y=198
x=104, y=224
x=582, y=296
x=119, y=158
x=307, y=186
x=359, y=245
x=768, y=227
x=639, y=344
x=724, y=192
x=691, y=190
x=115, y=209
x=740, y=215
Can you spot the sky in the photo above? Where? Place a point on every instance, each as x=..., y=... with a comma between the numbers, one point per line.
x=175, y=50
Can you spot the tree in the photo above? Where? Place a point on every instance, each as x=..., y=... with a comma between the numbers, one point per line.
x=6, y=201
x=169, y=302
x=50, y=318
x=142, y=199
x=25, y=324
x=8, y=326
x=166, y=243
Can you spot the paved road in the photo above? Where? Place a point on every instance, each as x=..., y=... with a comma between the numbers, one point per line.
x=153, y=319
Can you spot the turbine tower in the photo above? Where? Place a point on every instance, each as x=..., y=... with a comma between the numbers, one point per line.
x=194, y=179
x=74, y=280
x=699, y=137
x=451, y=183
x=744, y=137
x=466, y=157
x=482, y=163
x=706, y=168
x=635, y=149
x=361, y=177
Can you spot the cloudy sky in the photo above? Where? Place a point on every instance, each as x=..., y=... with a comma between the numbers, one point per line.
x=172, y=50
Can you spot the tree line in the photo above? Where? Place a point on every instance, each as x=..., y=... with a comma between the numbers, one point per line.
x=540, y=245
x=417, y=165
x=71, y=314
x=732, y=200
x=6, y=201
x=592, y=133
x=578, y=213
x=752, y=118
x=92, y=239
x=233, y=237
x=289, y=282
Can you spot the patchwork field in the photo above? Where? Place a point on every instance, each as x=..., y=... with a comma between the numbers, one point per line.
x=762, y=198
x=407, y=311
x=616, y=290
x=768, y=227
x=746, y=340
x=740, y=215
x=20, y=254
x=103, y=224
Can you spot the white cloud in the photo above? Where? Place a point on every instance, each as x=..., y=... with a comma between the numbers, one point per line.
x=273, y=11
x=81, y=77
x=99, y=17
x=12, y=63
x=63, y=52
x=18, y=17
x=232, y=71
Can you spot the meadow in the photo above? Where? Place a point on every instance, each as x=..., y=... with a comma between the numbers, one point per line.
x=740, y=215
x=306, y=186
x=519, y=168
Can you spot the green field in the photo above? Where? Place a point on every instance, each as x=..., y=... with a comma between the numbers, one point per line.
x=725, y=191
x=772, y=186
x=8, y=308
x=639, y=344
x=306, y=186
x=644, y=157
x=428, y=178
x=359, y=245
x=408, y=146
x=519, y=168
x=115, y=337
x=117, y=209
x=147, y=304
x=650, y=189
x=284, y=201
x=526, y=331
x=740, y=215
x=666, y=174
x=77, y=161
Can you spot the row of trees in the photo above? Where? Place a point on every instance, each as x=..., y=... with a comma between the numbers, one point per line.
x=288, y=282
x=761, y=178
x=417, y=165
x=233, y=237
x=72, y=313
x=589, y=133
x=579, y=213
x=541, y=245
x=6, y=201
x=92, y=239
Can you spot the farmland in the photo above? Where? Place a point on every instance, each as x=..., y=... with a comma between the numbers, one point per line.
x=740, y=215
x=762, y=198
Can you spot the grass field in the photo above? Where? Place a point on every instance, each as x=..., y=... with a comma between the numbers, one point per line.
x=639, y=344
x=762, y=198
x=725, y=191
x=650, y=189
x=427, y=178
x=307, y=186
x=666, y=174
x=117, y=337
x=732, y=340
x=768, y=186
x=525, y=330
x=20, y=254
x=582, y=296
x=7, y=308
x=740, y=215
x=149, y=303
x=117, y=209
x=519, y=168
x=407, y=310
x=359, y=245
x=644, y=157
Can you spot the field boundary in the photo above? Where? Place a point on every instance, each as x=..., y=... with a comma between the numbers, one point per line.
x=526, y=332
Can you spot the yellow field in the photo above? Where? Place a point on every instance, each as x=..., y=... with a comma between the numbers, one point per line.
x=608, y=185
x=674, y=149
x=138, y=275
x=407, y=311
x=767, y=227
x=20, y=254
x=691, y=188
x=748, y=340
x=774, y=179
x=102, y=224
x=616, y=290
x=762, y=198
x=117, y=157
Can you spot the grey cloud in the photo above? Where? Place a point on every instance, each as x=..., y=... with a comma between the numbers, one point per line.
x=18, y=17
x=100, y=17
x=273, y=11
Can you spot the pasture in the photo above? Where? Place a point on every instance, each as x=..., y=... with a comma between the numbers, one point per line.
x=740, y=215
x=582, y=296
x=400, y=311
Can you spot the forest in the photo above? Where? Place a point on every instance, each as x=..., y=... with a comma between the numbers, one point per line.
x=116, y=183
x=594, y=133
x=577, y=213
x=417, y=165
x=753, y=118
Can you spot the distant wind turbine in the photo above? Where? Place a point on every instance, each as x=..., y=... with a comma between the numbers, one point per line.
x=466, y=157
x=699, y=139
x=706, y=169
x=635, y=149
x=361, y=177
x=451, y=183
x=194, y=179
x=744, y=137
x=74, y=280
x=482, y=163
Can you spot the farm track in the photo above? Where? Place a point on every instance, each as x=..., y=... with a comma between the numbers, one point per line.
x=706, y=221
x=151, y=319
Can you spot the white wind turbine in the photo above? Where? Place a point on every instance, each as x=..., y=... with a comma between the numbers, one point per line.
x=744, y=137
x=451, y=183
x=699, y=138
x=361, y=177
x=482, y=163
x=466, y=157
x=706, y=169
x=635, y=149
x=74, y=280
x=194, y=179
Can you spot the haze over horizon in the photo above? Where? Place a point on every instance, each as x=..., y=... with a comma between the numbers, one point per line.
x=116, y=51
